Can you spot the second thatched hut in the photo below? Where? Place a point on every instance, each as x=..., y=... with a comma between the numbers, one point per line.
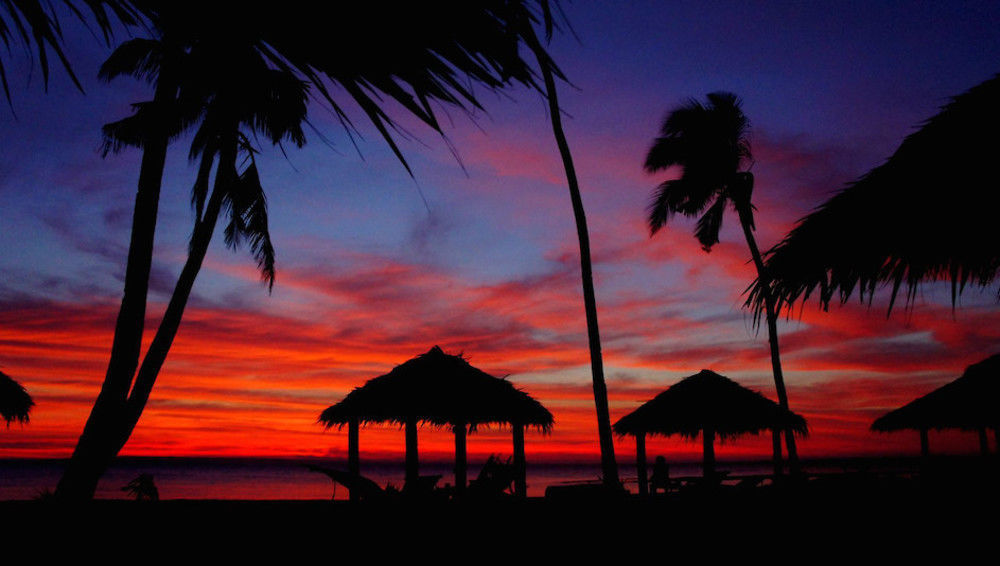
x=709, y=404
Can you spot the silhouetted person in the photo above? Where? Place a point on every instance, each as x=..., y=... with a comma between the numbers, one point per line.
x=660, y=477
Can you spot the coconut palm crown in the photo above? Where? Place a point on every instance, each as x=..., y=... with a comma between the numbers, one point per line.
x=709, y=142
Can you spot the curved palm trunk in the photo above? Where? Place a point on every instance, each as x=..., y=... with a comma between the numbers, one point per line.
x=90, y=457
x=771, y=314
x=608, y=465
x=100, y=445
x=165, y=334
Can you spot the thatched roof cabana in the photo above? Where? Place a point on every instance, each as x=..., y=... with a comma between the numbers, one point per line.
x=440, y=390
x=928, y=213
x=15, y=402
x=711, y=405
x=971, y=402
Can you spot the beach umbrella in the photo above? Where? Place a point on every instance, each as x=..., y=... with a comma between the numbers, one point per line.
x=971, y=402
x=709, y=404
x=15, y=402
x=440, y=390
x=928, y=213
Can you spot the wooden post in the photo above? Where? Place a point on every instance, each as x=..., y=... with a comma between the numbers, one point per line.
x=640, y=463
x=461, y=463
x=776, y=450
x=925, y=445
x=412, y=461
x=353, y=453
x=520, y=466
x=708, y=445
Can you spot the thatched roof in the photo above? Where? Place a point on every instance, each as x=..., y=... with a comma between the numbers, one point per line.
x=970, y=402
x=928, y=213
x=15, y=403
x=708, y=399
x=438, y=389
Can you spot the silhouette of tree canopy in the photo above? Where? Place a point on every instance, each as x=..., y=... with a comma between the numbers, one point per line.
x=710, y=144
x=35, y=25
x=15, y=402
x=927, y=214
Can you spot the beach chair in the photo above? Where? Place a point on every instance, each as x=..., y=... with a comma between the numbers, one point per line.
x=355, y=483
x=495, y=479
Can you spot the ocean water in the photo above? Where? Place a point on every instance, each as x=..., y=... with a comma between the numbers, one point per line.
x=247, y=478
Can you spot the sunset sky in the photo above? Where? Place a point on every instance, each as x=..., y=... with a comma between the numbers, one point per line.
x=368, y=276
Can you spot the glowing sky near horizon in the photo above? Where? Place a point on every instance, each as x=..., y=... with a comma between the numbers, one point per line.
x=369, y=277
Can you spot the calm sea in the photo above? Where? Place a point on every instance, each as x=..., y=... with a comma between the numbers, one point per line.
x=247, y=478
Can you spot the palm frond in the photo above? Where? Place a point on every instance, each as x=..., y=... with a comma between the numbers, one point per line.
x=139, y=57
x=15, y=402
x=35, y=25
x=708, y=226
x=682, y=196
x=246, y=205
x=149, y=117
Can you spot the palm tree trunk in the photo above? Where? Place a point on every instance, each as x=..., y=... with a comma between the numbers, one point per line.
x=165, y=334
x=608, y=465
x=90, y=457
x=746, y=221
x=101, y=446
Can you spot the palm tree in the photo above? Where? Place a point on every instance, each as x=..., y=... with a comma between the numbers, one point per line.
x=432, y=61
x=235, y=97
x=15, y=402
x=710, y=143
x=550, y=71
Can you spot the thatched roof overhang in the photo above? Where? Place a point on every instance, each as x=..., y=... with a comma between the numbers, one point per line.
x=440, y=390
x=928, y=213
x=708, y=399
x=971, y=402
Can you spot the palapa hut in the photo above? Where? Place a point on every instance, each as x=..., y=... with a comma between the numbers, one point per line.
x=928, y=213
x=712, y=405
x=15, y=402
x=971, y=402
x=441, y=390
